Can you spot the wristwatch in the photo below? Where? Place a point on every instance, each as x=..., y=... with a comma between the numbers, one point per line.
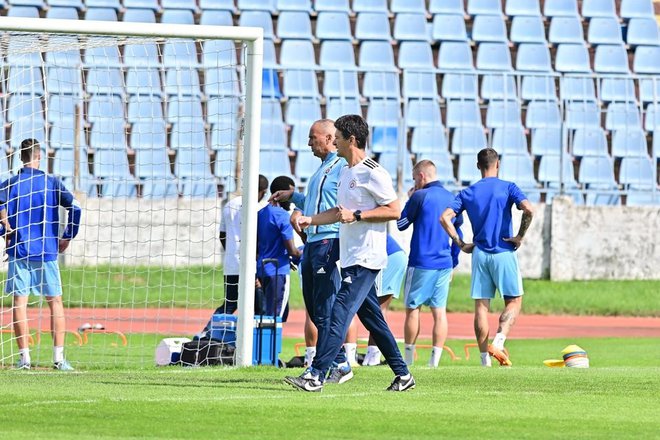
x=358, y=215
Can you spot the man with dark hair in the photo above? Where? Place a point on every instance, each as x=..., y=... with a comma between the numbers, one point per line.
x=488, y=204
x=275, y=241
x=366, y=201
x=29, y=214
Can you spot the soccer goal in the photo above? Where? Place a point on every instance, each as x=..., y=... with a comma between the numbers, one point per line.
x=153, y=127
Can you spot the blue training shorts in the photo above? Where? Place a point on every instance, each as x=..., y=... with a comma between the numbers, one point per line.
x=495, y=271
x=428, y=287
x=393, y=275
x=38, y=277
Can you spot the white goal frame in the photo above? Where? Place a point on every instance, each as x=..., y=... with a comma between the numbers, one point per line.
x=253, y=37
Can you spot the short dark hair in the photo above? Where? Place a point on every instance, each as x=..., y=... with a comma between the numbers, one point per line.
x=263, y=183
x=354, y=125
x=282, y=183
x=486, y=158
x=29, y=147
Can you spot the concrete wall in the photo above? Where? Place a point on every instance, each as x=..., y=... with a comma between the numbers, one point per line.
x=564, y=242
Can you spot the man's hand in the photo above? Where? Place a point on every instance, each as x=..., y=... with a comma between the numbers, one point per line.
x=411, y=191
x=516, y=241
x=295, y=215
x=304, y=222
x=468, y=248
x=63, y=245
x=281, y=196
x=345, y=215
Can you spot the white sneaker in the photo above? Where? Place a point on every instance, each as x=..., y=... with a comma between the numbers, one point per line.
x=371, y=359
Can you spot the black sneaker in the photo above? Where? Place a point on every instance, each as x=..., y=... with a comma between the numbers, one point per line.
x=399, y=384
x=305, y=382
x=340, y=374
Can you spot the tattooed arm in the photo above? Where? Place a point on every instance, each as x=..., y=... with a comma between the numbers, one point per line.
x=528, y=214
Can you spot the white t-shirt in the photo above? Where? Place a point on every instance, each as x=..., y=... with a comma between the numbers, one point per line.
x=230, y=224
x=364, y=186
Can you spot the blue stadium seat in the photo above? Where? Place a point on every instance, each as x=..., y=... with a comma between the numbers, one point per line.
x=652, y=119
x=637, y=172
x=101, y=14
x=533, y=57
x=495, y=86
x=448, y=28
x=148, y=134
x=111, y=163
x=159, y=188
x=656, y=144
x=561, y=8
x=180, y=54
x=103, y=107
x=604, y=30
x=577, y=88
x=510, y=140
x=446, y=7
x=611, y=59
x=64, y=162
x=455, y=55
x=302, y=111
x=141, y=55
x=538, y=87
x=301, y=83
x=527, y=29
x=270, y=84
x=142, y=4
x=649, y=89
x=384, y=112
x=370, y=6
x=565, y=30
x=225, y=165
x=629, y=143
x=617, y=89
x=541, y=114
x=550, y=171
x=221, y=82
x=184, y=109
x=332, y=6
x=257, y=5
x=152, y=163
x=224, y=5
x=528, y=8
x=484, y=7
x=23, y=11
x=297, y=54
x=62, y=135
x=503, y=114
x=114, y=4
x=223, y=139
x=66, y=80
x=143, y=82
x=294, y=25
x=108, y=134
x=376, y=55
x=463, y=113
x=598, y=8
x=193, y=168
x=582, y=114
x=213, y=17
x=420, y=85
x=408, y=6
x=62, y=13
x=636, y=9
x=333, y=26
x=468, y=140
x=423, y=112
x=572, y=58
x=459, y=86
x=61, y=107
x=384, y=139
x=55, y=56
x=188, y=5
x=622, y=116
x=343, y=106
x=223, y=110
x=260, y=19
x=25, y=81
x=546, y=142
x=490, y=28
x=274, y=163
x=306, y=164
x=589, y=142
x=381, y=85
x=177, y=16
x=338, y=84
x=142, y=107
x=188, y=135
x=271, y=110
x=518, y=168
x=294, y=5
x=299, y=138
x=105, y=81
x=16, y=55
x=597, y=172
x=372, y=26
x=643, y=31
x=467, y=169
x=337, y=55
x=493, y=56
x=183, y=82
x=410, y=27
x=428, y=139
x=198, y=187
x=273, y=136
x=139, y=16
x=102, y=57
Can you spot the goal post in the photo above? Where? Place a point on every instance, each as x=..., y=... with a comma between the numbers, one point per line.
x=248, y=139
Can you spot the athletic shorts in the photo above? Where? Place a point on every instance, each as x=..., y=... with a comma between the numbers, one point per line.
x=38, y=277
x=393, y=275
x=429, y=287
x=495, y=271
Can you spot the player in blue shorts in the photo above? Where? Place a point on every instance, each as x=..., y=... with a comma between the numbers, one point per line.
x=432, y=258
x=488, y=204
x=387, y=289
x=29, y=214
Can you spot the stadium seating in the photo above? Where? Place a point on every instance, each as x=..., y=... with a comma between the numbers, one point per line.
x=333, y=26
x=332, y=6
x=561, y=8
x=565, y=30
x=427, y=139
x=525, y=29
x=528, y=8
x=448, y=28
x=629, y=143
x=642, y=31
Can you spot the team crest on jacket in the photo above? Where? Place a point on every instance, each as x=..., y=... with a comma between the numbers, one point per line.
x=352, y=184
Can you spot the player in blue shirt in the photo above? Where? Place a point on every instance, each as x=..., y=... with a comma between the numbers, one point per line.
x=29, y=214
x=275, y=243
x=432, y=258
x=488, y=204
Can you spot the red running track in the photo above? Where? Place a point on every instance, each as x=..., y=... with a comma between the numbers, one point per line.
x=174, y=322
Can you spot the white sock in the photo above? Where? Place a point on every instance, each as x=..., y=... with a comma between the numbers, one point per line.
x=58, y=354
x=436, y=354
x=351, y=352
x=25, y=355
x=406, y=377
x=498, y=341
x=310, y=352
x=373, y=350
x=485, y=360
x=409, y=354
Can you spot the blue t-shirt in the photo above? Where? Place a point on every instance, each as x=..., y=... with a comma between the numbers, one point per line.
x=430, y=246
x=32, y=200
x=488, y=204
x=392, y=246
x=273, y=230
